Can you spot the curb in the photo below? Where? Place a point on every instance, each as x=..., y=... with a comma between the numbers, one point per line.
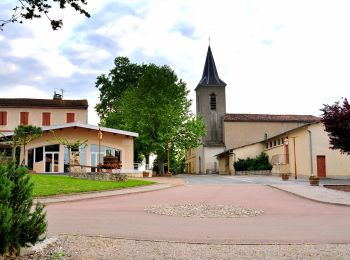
x=311, y=199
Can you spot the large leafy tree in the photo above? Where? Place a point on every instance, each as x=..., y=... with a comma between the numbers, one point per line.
x=336, y=119
x=24, y=134
x=156, y=106
x=30, y=9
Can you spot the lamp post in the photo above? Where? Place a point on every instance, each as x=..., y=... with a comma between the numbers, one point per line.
x=295, y=159
x=99, y=135
x=169, y=172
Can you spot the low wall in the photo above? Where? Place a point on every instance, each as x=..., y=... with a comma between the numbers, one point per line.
x=266, y=173
x=103, y=176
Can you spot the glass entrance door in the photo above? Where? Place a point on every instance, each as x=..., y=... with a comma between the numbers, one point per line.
x=51, y=161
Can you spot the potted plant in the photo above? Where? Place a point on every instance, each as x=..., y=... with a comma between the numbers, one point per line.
x=285, y=176
x=314, y=180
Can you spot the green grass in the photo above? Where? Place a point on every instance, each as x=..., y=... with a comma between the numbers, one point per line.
x=47, y=185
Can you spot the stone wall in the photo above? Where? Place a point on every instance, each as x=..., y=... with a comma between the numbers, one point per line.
x=266, y=173
x=104, y=176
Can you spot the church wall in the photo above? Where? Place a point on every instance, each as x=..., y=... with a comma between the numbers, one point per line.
x=238, y=134
x=248, y=151
x=337, y=164
x=210, y=161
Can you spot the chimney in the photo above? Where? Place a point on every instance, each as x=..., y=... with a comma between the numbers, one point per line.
x=57, y=96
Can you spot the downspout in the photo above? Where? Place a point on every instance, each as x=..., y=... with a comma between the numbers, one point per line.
x=310, y=147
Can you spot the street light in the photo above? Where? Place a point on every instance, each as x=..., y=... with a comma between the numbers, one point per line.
x=295, y=159
x=99, y=135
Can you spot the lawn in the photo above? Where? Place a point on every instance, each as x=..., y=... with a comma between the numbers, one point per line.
x=46, y=185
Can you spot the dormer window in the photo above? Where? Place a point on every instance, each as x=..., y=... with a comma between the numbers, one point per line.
x=212, y=101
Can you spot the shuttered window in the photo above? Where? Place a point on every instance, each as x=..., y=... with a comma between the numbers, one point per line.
x=3, y=118
x=24, y=118
x=46, y=118
x=213, y=101
x=70, y=117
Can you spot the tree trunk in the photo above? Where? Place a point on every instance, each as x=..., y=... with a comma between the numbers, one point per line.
x=160, y=165
x=14, y=152
x=24, y=155
x=147, y=161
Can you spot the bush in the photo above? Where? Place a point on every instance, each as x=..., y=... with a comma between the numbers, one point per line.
x=19, y=227
x=259, y=163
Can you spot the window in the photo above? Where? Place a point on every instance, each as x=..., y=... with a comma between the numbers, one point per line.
x=70, y=117
x=3, y=118
x=267, y=145
x=46, y=118
x=39, y=154
x=274, y=143
x=279, y=141
x=24, y=118
x=213, y=101
x=270, y=144
x=52, y=148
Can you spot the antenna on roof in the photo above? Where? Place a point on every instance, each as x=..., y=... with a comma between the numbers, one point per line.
x=58, y=95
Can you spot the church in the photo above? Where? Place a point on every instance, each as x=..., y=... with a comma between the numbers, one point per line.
x=230, y=137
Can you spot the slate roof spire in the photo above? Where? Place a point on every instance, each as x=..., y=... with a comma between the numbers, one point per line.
x=210, y=75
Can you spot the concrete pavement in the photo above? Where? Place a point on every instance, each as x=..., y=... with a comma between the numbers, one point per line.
x=286, y=219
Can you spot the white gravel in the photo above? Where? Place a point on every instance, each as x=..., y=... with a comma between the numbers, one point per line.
x=203, y=211
x=80, y=247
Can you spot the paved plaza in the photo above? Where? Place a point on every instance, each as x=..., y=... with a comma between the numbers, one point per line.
x=201, y=217
x=286, y=219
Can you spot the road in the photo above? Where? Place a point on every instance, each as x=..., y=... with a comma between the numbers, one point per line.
x=286, y=219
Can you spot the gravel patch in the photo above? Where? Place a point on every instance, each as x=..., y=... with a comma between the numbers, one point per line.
x=82, y=247
x=203, y=211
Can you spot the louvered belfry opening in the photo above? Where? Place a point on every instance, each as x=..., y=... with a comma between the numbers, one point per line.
x=212, y=101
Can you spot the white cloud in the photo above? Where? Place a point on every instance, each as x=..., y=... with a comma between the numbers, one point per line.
x=24, y=91
x=275, y=56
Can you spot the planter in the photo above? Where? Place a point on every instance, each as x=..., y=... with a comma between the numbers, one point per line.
x=145, y=174
x=285, y=176
x=314, y=180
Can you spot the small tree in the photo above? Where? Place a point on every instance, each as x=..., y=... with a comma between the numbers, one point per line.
x=70, y=145
x=336, y=119
x=24, y=134
x=19, y=226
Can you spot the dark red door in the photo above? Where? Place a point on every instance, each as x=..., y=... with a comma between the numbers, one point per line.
x=321, y=166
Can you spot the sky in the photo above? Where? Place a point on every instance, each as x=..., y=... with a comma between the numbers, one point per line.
x=276, y=56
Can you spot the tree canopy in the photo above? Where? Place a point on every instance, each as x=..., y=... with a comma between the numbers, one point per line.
x=30, y=9
x=124, y=75
x=153, y=103
x=336, y=119
x=24, y=134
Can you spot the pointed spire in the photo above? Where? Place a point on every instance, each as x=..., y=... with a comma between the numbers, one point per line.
x=210, y=75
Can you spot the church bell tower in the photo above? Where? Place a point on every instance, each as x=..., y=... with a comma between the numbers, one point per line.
x=211, y=104
x=210, y=101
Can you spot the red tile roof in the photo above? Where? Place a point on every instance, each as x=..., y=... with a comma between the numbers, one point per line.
x=53, y=103
x=269, y=118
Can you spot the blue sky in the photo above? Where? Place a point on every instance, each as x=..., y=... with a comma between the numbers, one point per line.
x=276, y=56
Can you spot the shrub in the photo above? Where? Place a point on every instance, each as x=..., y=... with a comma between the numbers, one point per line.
x=259, y=163
x=19, y=227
